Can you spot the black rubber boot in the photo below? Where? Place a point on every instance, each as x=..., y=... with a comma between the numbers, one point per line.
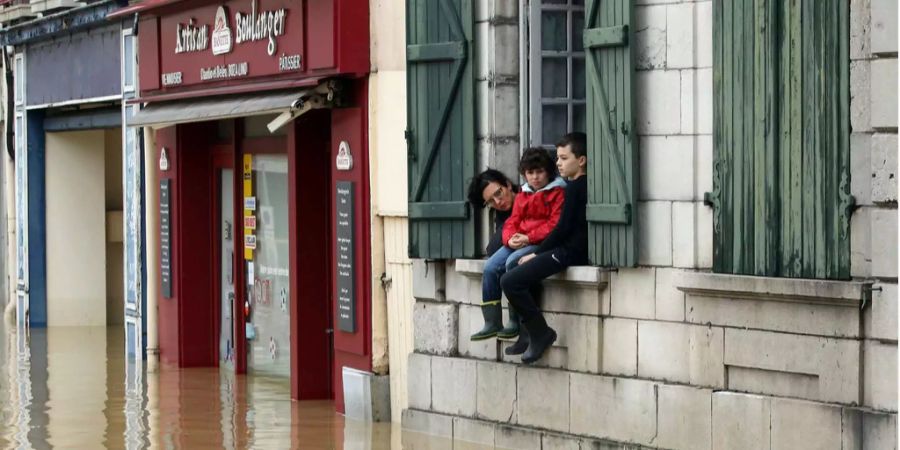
x=511, y=329
x=542, y=337
x=493, y=321
x=520, y=345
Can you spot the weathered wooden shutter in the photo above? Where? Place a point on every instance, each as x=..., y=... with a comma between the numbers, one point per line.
x=781, y=175
x=441, y=122
x=612, y=145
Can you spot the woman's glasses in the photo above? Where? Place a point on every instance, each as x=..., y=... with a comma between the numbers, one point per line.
x=496, y=197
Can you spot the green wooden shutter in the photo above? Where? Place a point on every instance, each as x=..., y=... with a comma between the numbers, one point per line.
x=781, y=175
x=612, y=144
x=441, y=121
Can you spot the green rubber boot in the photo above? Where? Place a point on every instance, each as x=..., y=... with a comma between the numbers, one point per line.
x=511, y=329
x=493, y=321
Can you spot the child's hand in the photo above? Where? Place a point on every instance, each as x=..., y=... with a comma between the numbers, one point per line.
x=518, y=241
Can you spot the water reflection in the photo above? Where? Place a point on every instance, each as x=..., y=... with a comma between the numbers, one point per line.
x=71, y=388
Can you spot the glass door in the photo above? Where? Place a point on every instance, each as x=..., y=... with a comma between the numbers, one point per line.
x=226, y=267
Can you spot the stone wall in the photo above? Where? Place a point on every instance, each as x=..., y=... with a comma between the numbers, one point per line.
x=668, y=355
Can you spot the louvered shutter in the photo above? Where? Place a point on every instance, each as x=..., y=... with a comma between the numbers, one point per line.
x=612, y=144
x=441, y=121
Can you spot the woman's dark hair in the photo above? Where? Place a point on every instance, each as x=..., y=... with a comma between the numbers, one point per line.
x=537, y=158
x=577, y=142
x=482, y=180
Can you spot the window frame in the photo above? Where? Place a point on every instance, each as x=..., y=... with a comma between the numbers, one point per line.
x=531, y=69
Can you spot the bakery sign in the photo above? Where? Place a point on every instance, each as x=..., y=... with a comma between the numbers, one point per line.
x=241, y=39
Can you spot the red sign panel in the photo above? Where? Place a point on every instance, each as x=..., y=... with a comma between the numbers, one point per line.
x=239, y=39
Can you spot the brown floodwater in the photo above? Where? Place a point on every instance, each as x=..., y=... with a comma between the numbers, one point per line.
x=71, y=388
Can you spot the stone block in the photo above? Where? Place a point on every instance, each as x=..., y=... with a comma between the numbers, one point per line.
x=861, y=243
x=680, y=36
x=367, y=396
x=740, y=421
x=654, y=233
x=496, y=396
x=688, y=98
x=681, y=353
x=704, y=17
x=472, y=434
x=483, y=96
x=579, y=290
x=792, y=317
x=453, y=386
x=516, y=438
x=879, y=431
x=667, y=168
x=704, y=237
x=881, y=316
x=684, y=226
x=457, y=286
x=505, y=110
x=437, y=425
x=860, y=23
x=833, y=362
x=880, y=376
x=435, y=328
x=506, y=49
x=633, y=293
x=659, y=102
x=703, y=166
x=884, y=231
x=851, y=429
x=861, y=168
x=650, y=37
x=884, y=168
x=620, y=346
x=860, y=105
x=484, y=55
x=418, y=381
x=560, y=442
x=669, y=300
x=428, y=280
x=542, y=398
x=704, y=102
x=800, y=424
x=884, y=26
x=613, y=408
x=470, y=321
x=883, y=93
x=577, y=347
x=485, y=10
x=684, y=417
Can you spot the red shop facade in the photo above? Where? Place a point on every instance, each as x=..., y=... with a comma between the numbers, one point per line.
x=259, y=112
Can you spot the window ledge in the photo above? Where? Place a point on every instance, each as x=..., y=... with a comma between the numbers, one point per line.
x=585, y=276
x=792, y=290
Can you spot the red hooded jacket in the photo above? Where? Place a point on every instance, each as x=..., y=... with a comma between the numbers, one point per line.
x=535, y=214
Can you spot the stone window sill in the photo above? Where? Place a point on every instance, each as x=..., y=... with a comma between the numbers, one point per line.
x=820, y=292
x=585, y=276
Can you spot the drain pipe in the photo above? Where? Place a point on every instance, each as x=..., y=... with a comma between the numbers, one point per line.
x=151, y=218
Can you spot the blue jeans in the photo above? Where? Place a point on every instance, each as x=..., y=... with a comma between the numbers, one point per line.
x=501, y=261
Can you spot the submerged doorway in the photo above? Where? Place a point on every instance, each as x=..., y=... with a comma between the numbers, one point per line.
x=84, y=228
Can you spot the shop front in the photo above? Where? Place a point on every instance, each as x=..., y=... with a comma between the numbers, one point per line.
x=258, y=111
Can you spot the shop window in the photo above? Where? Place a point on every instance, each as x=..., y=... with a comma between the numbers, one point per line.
x=129, y=61
x=556, y=70
x=19, y=79
x=270, y=268
x=781, y=177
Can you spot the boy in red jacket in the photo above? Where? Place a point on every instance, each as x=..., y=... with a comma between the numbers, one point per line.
x=535, y=213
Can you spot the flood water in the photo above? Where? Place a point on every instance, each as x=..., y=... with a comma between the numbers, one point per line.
x=70, y=388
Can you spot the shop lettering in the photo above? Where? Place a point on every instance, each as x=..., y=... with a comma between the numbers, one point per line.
x=222, y=72
x=190, y=38
x=256, y=27
x=289, y=62
x=171, y=79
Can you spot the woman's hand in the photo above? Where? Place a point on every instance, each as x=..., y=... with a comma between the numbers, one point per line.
x=527, y=258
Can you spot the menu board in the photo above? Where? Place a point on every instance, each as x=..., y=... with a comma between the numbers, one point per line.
x=346, y=298
x=165, y=243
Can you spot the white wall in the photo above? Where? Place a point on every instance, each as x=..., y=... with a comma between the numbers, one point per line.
x=115, y=251
x=76, y=229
